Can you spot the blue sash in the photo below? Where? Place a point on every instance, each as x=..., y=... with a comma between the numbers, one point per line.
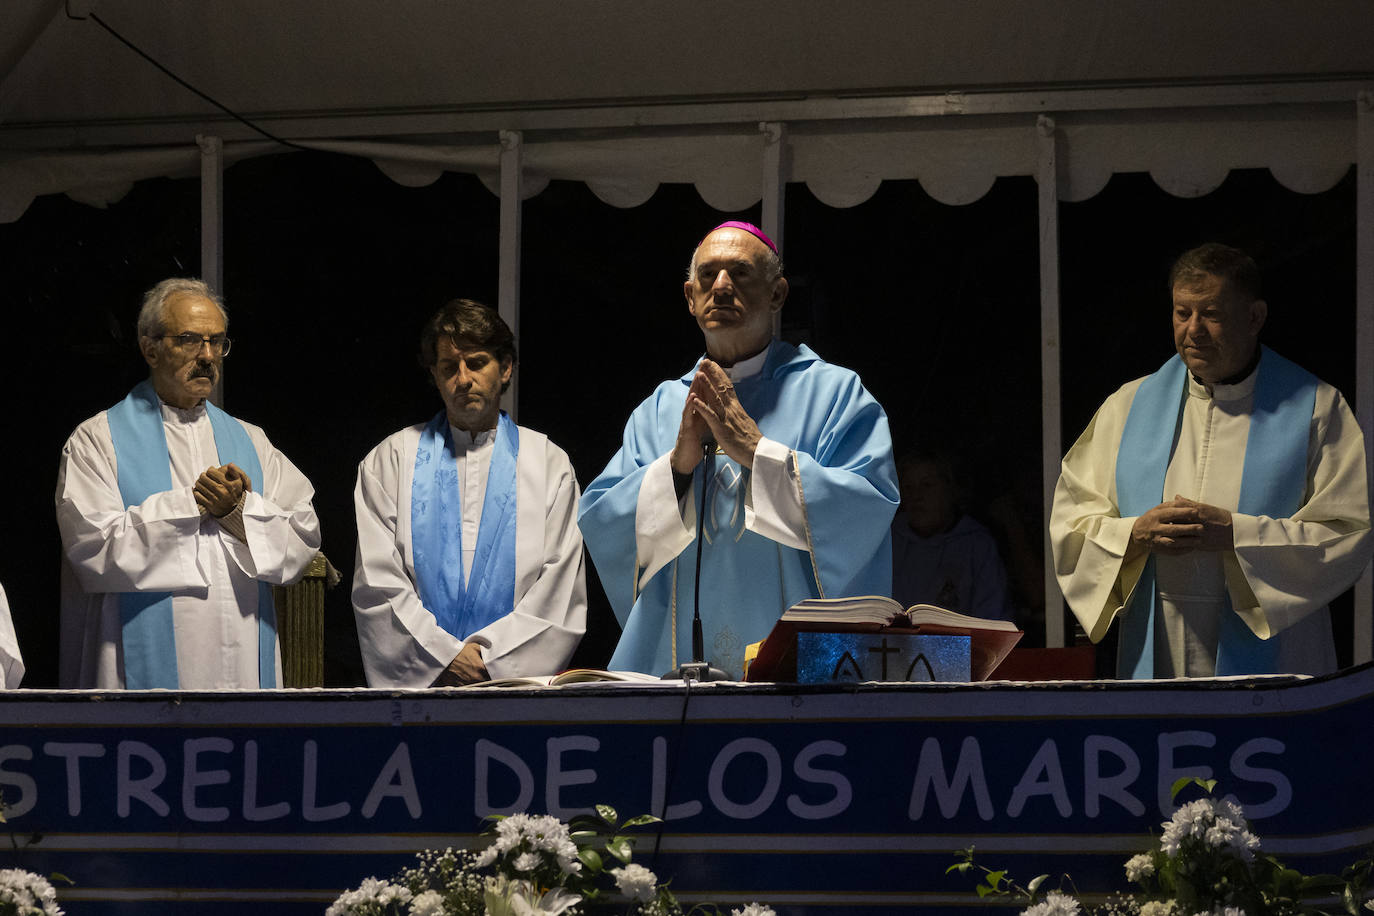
x=436, y=531
x=1272, y=485
x=150, y=658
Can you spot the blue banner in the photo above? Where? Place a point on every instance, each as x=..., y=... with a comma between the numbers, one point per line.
x=175, y=802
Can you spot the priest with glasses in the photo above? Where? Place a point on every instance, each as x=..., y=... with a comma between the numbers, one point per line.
x=176, y=519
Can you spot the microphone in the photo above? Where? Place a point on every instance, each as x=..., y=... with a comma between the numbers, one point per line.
x=699, y=669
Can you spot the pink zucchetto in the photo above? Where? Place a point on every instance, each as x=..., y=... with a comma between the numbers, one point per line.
x=750, y=228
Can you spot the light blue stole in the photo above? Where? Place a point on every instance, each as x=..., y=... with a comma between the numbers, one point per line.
x=1272, y=484
x=150, y=656
x=436, y=531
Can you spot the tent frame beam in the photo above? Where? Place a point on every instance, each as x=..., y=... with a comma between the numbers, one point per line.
x=637, y=117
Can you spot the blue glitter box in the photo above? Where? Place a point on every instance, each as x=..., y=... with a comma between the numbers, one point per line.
x=823, y=658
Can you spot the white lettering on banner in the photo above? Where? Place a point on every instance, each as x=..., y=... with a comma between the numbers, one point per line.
x=73, y=751
x=715, y=780
x=1096, y=786
x=844, y=793
x=397, y=779
x=659, y=790
x=1169, y=774
x=1044, y=775
x=252, y=811
x=127, y=788
x=1241, y=768
x=740, y=779
x=486, y=752
x=309, y=809
x=558, y=777
x=28, y=789
x=968, y=772
x=1046, y=761
x=193, y=778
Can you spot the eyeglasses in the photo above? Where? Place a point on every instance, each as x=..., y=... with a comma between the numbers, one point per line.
x=191, y=343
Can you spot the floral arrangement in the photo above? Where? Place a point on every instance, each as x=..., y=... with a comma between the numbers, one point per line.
x=1208, y=863
x=535, y=865
x=22, y=893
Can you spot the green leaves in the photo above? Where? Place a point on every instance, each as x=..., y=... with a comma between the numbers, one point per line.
x=1207, y=785
x=590, y=859
x=996, y=883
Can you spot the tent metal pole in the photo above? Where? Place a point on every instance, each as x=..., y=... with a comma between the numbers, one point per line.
x=1047, y=179
x=212, y=226
x=508, y=290
x=774, y=191
x=1364, y=342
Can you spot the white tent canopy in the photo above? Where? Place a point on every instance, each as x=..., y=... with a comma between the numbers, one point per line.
x=738, y=98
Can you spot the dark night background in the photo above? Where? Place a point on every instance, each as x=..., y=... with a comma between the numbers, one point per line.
x=330, y=268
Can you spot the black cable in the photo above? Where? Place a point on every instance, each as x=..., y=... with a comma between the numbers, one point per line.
x=670, y=773
x=149, y=58
x=707, y=467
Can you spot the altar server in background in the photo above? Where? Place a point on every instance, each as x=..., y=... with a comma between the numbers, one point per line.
x=176, y=519
x=469, y=559
x=801, y=493
x=1217, y=505
x=941, y=555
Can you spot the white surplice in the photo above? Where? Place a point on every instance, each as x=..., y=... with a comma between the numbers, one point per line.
x=1280, y=575
x=166, y=545
x=402, y=644
x=11, y=662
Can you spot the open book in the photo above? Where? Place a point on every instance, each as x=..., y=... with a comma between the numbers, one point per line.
x=572, y=676
x=776, y=660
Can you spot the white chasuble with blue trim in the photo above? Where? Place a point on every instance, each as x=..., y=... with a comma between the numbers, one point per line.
x=1272, y=483
x=143, y=467
x=463, y=603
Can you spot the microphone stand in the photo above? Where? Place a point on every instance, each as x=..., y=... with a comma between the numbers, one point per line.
x=698, y=669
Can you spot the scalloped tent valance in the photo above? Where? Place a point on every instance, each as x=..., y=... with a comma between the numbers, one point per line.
x=1189, y=152
x=1183, y=90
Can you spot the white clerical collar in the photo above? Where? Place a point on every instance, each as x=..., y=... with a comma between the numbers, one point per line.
x=172, y=414
x=1219, y=392
x=464, y=439
x=747, y=368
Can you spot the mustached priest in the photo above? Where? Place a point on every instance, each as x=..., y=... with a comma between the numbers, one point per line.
x=176, y=519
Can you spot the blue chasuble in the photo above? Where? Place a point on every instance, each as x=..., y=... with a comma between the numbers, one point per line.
x=140, y=444
x=840, y=437
x=436, y=531
x=1272, y=484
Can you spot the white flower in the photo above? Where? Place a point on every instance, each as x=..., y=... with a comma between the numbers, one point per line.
x=369, y=896
x=526, y=861
x=568, y=862
x=635, y=882
x=1140, y=866
x=754, y=909
x=29, y=893
x=556, y=901
x=1157, y=908
x=1054, y=904
x=504, y=897
x=487, y=856
x=1369, y=904
x=1218, y=823
x=429, y=903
